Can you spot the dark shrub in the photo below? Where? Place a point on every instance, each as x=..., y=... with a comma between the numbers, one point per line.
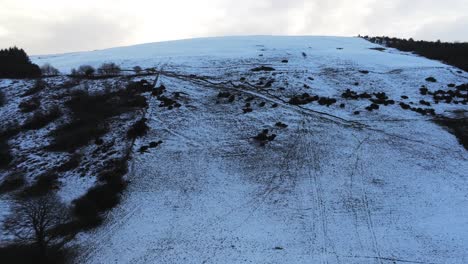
x=15, y=63
x=41, y=119
x=247, y=110
x=29, y=254
x=76, y=134
x=139, y=87
x=458, y=127
x=102, y=197
x=70, y=164
x=2, y=99
x=155, y=144
x=137, y=69
x=89, y=117
x=262, y=68
x=38, y=86
x=281, y=125
x=5, y=153
x=44, y=184
x=110, y=69
x=138, y=129
x=85, y=70
x=224, y=94
x=423, y=90
x=12, y=182
x=431, y=79
x=30, y=105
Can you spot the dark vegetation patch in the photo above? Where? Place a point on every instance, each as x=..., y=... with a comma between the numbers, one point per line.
x=378, y=49
x=38, y=86
x=326, y=101
x=41, y=119
x=459, y=95
x=262, y=68
x=30, y=105
x=138, y=129
x=306, y=98
x=72, y=163
x=281, y=125
x=8, y=131
x=455, y=54
x=303, y=99
x=262, y=138
x=372, y=107
x=43, y=184
x=158, y=91
x=2, y=98
x=431, y=79
x=90, y=115
x=364, y=72
x=284, y=61
x=29, y=254
x=458, y=127
x=12, y=182
x=88, y=209
x=247, y=110
x=15, y=63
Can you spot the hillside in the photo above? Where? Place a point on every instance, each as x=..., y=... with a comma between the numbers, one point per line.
x=269, y=150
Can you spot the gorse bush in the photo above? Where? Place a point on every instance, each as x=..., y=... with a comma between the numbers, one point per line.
x=15, y=63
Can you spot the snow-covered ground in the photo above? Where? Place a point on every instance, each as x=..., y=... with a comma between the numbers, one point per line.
x=387, y=186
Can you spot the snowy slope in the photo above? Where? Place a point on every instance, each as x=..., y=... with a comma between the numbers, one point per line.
x=387, y=186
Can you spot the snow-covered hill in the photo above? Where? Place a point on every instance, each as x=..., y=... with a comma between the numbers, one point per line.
x=338, y=183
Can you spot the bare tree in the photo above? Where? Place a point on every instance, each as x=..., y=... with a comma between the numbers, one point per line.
x=137, y=69
x=86, y=70
x=35, y=221
x=49, y=70
x=109, y=69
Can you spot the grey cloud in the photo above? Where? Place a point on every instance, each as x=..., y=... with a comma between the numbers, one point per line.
x=85, y=32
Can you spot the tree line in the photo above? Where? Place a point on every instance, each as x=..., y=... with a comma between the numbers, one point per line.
x=455, y=54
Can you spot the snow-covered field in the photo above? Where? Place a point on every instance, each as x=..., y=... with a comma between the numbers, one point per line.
x=387, y=186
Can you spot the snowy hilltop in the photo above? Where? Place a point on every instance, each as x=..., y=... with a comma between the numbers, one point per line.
x=254, y=149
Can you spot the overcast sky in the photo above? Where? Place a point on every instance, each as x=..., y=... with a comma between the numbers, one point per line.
x=56, y=26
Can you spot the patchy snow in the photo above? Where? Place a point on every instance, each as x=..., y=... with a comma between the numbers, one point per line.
x=385, y=186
